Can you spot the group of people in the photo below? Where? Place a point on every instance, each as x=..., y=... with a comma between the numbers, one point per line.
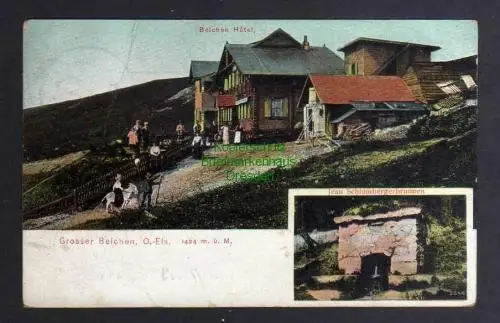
x=145, y=191
x=213, y=134
x=139, y=140
x=225, y=134
x=139, y=137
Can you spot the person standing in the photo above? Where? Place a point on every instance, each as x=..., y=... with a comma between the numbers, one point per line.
x=237, y=134
x=196, y=128
x=145, y=136
x=196, y=144
x=155, y=156
x=207, y=140
x=137, y=125
x=118, y=190
x=147, y=191
x=225, y=134
x=179, y=130
x=133, y=141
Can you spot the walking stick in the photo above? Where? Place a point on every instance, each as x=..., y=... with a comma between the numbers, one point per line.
x=159, y=186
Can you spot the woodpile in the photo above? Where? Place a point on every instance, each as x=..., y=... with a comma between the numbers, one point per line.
x=358, y=132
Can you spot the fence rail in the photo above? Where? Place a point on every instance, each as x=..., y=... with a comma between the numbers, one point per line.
x=96, y=187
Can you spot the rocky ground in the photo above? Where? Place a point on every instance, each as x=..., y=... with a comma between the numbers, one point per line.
x=399, y=287
x=320, y=237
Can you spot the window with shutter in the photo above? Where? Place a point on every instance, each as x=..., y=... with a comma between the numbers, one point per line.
x=279, y=107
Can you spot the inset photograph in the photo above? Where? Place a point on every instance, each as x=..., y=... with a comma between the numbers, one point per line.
x=406, y=248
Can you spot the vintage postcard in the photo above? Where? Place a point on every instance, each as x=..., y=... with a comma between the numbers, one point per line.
x=159, y=155
x=384, y=246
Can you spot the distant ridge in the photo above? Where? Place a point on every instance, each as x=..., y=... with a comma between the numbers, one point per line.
x=56, y=129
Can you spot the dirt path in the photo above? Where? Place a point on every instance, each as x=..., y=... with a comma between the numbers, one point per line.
x=191, y=177
x=188, y=178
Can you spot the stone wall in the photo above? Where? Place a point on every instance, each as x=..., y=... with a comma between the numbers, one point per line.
x=396, y=238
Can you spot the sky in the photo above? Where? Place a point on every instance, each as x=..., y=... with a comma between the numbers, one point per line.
x=71, y=59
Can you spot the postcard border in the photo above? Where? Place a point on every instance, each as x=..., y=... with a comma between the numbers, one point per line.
x=471, y=235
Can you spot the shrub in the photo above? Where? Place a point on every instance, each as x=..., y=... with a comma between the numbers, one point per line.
x=329, y=261
x=449, y=244
x=454, y=284
x=434, y=280
x=448, y=125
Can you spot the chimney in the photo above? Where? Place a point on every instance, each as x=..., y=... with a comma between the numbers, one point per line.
x=305, y=43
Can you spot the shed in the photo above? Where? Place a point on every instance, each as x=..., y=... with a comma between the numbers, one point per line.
x=354, y=105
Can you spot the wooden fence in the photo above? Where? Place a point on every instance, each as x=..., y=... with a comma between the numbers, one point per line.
x=98, y=186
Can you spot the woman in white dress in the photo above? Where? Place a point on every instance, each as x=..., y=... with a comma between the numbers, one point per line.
x=118, y=190
x=225, y=135
x=237, y=134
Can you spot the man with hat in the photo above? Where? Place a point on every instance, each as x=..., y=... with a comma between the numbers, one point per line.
x=147, y=191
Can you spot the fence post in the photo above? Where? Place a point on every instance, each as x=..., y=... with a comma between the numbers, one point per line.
x=75, y=201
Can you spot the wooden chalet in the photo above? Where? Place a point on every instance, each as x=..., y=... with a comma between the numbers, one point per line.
x=369, y=56
x=432, y=82
x=202, y=75
x=348, y=106
x=429, y=81
x=260, y=83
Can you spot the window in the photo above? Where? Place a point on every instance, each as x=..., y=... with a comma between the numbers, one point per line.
x=226, y=84
x=227, y=115
x=354, y=69
x=275, y=107
x=312, y=95
x=243, y=111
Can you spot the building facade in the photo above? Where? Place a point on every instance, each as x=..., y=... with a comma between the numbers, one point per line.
x=260, y=83
x=353, y=105
x=201, y=75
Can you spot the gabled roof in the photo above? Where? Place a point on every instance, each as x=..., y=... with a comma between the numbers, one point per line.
x=342, y=89
x=278, y=38
x=203, y=68
x=386, y=42
x=471, y=58
x=280, y=54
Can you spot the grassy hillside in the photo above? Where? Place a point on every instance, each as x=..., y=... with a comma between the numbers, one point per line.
x=60, y=182
x=416, y=162
x=247, y=205
x=40, y=171
x=58, y=129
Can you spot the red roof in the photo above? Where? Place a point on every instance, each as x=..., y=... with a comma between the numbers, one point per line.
x=226, y=100
x=343, y=89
